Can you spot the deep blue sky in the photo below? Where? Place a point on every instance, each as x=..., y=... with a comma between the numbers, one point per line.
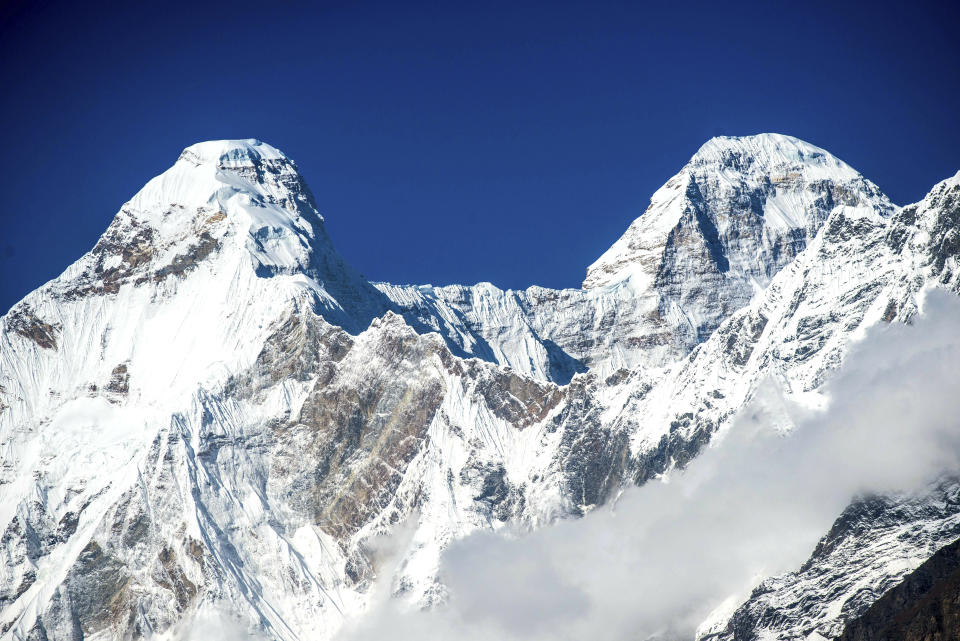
x=505, y=142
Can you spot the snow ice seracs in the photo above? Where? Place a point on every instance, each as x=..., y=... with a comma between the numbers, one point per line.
x=261, y=413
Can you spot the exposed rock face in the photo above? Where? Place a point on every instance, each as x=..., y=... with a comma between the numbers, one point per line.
x=119, y=380
x=353, y=440
x=211, y=410
x=925, y=606
x=22, y=321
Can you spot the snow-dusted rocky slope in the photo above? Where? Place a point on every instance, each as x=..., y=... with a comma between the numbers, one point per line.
x=874, y=544
x=211, y=410
x=923, y=606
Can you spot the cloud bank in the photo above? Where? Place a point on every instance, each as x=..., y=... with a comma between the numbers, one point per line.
x=658, y=561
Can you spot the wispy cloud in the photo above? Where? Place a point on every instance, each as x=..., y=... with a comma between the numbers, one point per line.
x=213, y=623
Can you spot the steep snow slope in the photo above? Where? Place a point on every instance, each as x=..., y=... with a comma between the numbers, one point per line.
x=210, y=410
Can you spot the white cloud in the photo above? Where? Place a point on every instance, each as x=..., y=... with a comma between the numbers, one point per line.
x=658, y=561
x=212, y=623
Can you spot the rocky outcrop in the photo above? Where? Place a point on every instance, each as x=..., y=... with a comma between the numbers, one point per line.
x=23, y=321
x=347, y=451
x=924, y=607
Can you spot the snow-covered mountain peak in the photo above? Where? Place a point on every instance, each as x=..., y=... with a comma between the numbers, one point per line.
x=722, y=227
x=239, y=201
x=770, y=153
x=228, y=154
x=209, y=175
x=231, y=215
x=731, y=183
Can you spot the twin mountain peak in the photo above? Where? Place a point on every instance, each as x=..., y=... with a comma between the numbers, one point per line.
x=713, y=235
x=205, y=408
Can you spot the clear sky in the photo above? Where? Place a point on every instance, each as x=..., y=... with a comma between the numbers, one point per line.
x=448, y=142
